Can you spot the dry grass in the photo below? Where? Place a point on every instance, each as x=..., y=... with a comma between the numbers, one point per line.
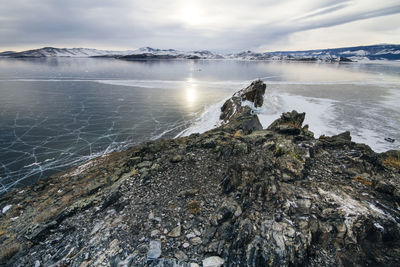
x=393, y=162
x=290, y=124
x=68, y=197
x=46, y=215
x=362, y=180
x=194, y=206
x=6, y=252
x=238, y=134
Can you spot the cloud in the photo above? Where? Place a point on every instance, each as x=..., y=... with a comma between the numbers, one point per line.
x=225, y=25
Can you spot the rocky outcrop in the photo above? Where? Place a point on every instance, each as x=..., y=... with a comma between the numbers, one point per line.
x=236, y=105
x=229, y=197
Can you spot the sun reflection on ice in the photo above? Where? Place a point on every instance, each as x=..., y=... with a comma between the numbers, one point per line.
x=191, y=91
x=191, y=94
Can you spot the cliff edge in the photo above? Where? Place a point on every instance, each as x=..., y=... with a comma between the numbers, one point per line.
x=237, y=195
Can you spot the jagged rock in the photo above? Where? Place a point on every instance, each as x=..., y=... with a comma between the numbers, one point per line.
x=244, y=121
x=288, y=123
x=175, y=232
x=254, y=93
x=235, y=106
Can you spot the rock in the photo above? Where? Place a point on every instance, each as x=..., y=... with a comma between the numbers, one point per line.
x=181, y=256
x=144, y=164
x=254, y=93
x=154, y=250
x=214, y=261
x=238, y=211
x=188, y=193
x=154, y=233
x=97, y=227
x=195, y=241
x=151, y=216
x=176, y=232
x=345, y=59
x=288, y=123
x=276, y=197
x=390, y=140
x=143, y=249
x=37, y=263
x=196, y=232
x=233, y=107
x=6, y=208
x=190, y=235
x=225, y=212
x=176, y=158
x=128, y=261
x=383, y=187
x=244, y=121
x=209, y=234
x=115, y=261
x=336, y=140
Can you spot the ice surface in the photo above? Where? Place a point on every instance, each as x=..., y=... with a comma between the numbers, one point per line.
x=59, y=113
x=206, y=121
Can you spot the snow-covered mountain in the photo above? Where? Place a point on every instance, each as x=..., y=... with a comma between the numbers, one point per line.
x=373, y=52
x=152, y=53
x=141, y=53
x=63, y=52
x=249, y=55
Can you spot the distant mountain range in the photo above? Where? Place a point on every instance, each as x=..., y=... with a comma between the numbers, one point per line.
x=347, y=54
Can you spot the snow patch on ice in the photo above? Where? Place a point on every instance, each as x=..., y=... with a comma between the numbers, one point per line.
x=208, y=120
x=318, y=111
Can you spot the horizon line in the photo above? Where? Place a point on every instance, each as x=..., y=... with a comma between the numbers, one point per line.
x=211, y=50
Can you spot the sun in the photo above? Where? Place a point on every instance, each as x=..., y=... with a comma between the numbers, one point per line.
x=190, y=14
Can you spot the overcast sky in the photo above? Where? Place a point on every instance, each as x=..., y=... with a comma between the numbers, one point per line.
x=217, y=25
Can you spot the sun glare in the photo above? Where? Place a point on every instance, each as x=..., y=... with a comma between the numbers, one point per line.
x=190, y=90
x=190, y=14
x=191, y=94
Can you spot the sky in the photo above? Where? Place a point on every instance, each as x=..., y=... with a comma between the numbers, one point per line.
x=216, y=25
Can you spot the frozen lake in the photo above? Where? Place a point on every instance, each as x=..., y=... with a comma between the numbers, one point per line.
x=57, y=113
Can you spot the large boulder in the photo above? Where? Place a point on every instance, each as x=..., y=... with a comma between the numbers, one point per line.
x=254, y=93
x=289, y=123
x=238, y=111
